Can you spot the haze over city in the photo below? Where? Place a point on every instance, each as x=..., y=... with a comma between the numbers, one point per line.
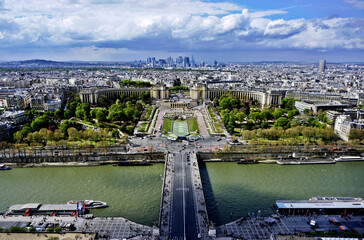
x=240, y=31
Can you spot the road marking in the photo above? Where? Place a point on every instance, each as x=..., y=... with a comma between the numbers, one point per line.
x=183, y=194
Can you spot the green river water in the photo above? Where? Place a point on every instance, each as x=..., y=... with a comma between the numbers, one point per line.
x=134, y=192
x=233, y=190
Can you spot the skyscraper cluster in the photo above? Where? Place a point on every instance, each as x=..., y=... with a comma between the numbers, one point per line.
x=183, y=62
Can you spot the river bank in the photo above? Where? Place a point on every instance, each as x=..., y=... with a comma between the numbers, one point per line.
x=81, y=164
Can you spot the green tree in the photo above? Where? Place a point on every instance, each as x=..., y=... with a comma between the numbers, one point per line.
x=129, y=112
x=93, y=112
x=72, y=106
x=240, y=116
x=116, y=113
x=255, y=116
x=356, y=134
x=292, y=113
x=68, y=114
x=145, y=96
x=26, y=129
x=73, y=133
x=102, y=114
x=17, y=229
x=264, y=125
x=65, y=125
x=225, y=103
x=18, y=137
x=57, y=135
x=103, y=101
x=58, y=114
x=229, y=102
x=216, y=102
x=83, y=111
x=266, y=115
x=130, y=129
x=40, y=122
x=122, y=97
x=278, y=113
x=287, y=103
x=282, y=122
x=115, y=133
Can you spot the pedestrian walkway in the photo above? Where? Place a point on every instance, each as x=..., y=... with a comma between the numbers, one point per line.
x=200, y=203
x=252, y=228
x=165, y=211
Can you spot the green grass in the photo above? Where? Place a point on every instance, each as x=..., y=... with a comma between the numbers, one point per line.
x=218, y=129
x=149, y=113
x=167, y=125
x=193, y=125
x=142, y=127
x=211, y=113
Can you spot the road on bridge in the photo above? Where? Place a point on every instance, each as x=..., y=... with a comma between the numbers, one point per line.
x=183, y=222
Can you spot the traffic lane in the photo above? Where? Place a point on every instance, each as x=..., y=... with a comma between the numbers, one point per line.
x=177, y=227
x=190, y=218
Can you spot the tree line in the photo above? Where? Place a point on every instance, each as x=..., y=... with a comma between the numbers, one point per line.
x=54, y=126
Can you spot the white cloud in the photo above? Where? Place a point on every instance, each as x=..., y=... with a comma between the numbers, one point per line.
x=164, y=24
x=356, y=3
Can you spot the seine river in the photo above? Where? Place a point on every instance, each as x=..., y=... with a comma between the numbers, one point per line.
x=231, y=190
x=132, y=192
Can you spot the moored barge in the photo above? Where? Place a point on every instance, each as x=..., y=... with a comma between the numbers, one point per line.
x=322, y=205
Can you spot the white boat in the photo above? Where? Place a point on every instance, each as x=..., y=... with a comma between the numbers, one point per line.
x=348, y=158
x=89, y=204
x=335, y=199
x=3, y=167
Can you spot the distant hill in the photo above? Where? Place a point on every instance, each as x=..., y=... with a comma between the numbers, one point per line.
x=39, y=61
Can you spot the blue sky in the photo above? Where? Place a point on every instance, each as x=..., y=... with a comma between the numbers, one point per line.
x=240, y=30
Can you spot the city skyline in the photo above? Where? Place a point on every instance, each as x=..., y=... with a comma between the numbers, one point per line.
x=226, y=31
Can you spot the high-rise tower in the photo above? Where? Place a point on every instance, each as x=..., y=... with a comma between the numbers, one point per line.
x=322, y=65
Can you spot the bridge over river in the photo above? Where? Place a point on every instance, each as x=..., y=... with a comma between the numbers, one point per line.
x=183, y=212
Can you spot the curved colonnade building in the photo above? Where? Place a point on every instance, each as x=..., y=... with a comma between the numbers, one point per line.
x=92, y=95
x=198, y=93
x=201, y=93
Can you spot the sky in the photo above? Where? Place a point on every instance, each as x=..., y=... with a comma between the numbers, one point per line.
x=228, y=31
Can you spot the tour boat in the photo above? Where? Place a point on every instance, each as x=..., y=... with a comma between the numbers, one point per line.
x=335, y=199
x=3, y=167
x=88, y=204
x=246, y=161
x=348, y=159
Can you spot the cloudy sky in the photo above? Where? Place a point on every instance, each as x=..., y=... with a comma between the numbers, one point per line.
x=236, y=30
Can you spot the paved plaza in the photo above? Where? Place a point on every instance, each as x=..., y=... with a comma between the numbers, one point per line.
x=262, y=228
x=105, y=228
x=115, y=228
